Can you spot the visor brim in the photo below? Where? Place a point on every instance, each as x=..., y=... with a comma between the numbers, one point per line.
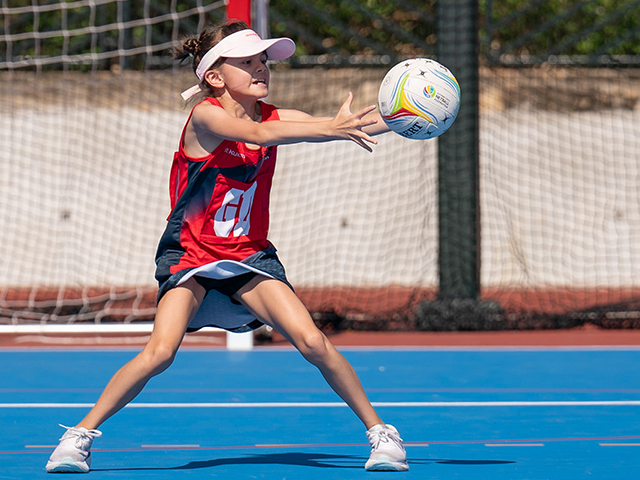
x=275, y=48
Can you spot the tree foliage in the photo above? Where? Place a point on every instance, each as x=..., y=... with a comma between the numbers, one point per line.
x=560, y=27
x=367, y=28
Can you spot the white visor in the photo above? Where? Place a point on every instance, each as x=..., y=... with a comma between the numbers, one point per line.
x=244, y=43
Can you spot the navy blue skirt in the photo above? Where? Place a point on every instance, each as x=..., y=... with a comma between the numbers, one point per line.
x=217, y=308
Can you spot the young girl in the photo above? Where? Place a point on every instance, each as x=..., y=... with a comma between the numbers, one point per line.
x=215, y=265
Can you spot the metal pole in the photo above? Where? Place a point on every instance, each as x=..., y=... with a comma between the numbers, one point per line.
x=261, y=19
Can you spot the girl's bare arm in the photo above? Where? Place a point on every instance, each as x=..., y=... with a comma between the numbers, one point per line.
x=294, y=126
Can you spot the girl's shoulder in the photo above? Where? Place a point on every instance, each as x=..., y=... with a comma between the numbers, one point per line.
x=269, y=112
x=208, y=101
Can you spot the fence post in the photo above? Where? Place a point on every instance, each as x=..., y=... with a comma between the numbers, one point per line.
x=458, y=155
x=261, y=17
x=458, y=306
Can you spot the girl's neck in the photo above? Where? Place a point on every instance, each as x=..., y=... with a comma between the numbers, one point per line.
x=248, y=108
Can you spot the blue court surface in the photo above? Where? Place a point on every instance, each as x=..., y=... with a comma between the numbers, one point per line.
x=563, y=413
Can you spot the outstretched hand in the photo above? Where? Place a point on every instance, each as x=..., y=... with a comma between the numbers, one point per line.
x=349, y=125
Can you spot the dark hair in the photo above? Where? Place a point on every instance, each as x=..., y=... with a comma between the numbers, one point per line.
x=196, y=46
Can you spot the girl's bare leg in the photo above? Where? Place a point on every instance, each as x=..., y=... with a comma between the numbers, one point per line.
x=274, y=303
x=175, y=310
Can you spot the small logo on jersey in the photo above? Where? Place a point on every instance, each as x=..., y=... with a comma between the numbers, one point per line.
x=429, y=91
x=233, y=153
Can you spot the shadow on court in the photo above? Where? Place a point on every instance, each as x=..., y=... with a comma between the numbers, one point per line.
x=315, y=460
x=470, y=462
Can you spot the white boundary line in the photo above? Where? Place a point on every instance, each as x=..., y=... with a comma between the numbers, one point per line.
x=79, y=328
x=612, y=403
x=235, y=341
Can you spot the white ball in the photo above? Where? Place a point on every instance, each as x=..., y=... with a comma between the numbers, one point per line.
x=419, y=98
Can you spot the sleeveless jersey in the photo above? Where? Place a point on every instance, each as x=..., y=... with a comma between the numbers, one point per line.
x=219, y=204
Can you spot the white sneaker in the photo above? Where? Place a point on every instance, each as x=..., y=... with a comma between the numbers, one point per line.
x=387, y=452
x=73, y=453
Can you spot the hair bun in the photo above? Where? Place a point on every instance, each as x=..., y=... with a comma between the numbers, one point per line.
x=192, y=46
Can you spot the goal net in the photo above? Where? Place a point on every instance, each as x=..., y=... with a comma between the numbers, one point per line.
x=90, y=115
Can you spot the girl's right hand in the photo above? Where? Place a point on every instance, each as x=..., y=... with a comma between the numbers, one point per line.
x=349, y=125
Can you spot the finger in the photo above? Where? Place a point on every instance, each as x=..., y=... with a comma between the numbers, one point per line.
x=365, y=111
x=362, y=140
x=365, y=122
x=371, y=140
x=367, y=147
x=347, y=103
x=366, y=137
x=363, y=145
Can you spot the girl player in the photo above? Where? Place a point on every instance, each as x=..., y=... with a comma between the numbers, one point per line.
x=215, y=265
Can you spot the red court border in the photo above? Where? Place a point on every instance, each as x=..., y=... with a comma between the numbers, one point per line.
x=585, y=336
x=350, y=302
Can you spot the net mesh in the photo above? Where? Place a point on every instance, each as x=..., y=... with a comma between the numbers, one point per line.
x=86, y=173
x=560, y=203
x=92, y=34
x=88, y=139
x=85, y=139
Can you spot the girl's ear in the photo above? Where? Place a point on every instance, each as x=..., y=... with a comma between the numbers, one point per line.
x=213, y=78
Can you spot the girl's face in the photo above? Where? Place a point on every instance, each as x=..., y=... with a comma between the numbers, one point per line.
x=247, y=76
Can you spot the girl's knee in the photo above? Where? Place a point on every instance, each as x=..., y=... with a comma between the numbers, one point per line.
x=158, y=357
x=313, y=346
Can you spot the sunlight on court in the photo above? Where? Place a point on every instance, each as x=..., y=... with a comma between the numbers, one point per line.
x=463, y=413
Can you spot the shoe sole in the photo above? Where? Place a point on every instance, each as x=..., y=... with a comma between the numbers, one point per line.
x=385, y=465
x=66, y=465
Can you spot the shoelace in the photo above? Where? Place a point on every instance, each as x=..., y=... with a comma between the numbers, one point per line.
x=383, y=436
x=80, y=434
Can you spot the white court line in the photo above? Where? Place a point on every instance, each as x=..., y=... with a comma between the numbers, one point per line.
x=514, y=444
x=614, y=403
x=620, y=444
x=169, y=446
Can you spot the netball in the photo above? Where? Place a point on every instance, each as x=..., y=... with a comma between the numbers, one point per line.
x=419, y=99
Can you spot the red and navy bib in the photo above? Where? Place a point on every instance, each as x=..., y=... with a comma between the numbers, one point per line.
x=219, y=204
